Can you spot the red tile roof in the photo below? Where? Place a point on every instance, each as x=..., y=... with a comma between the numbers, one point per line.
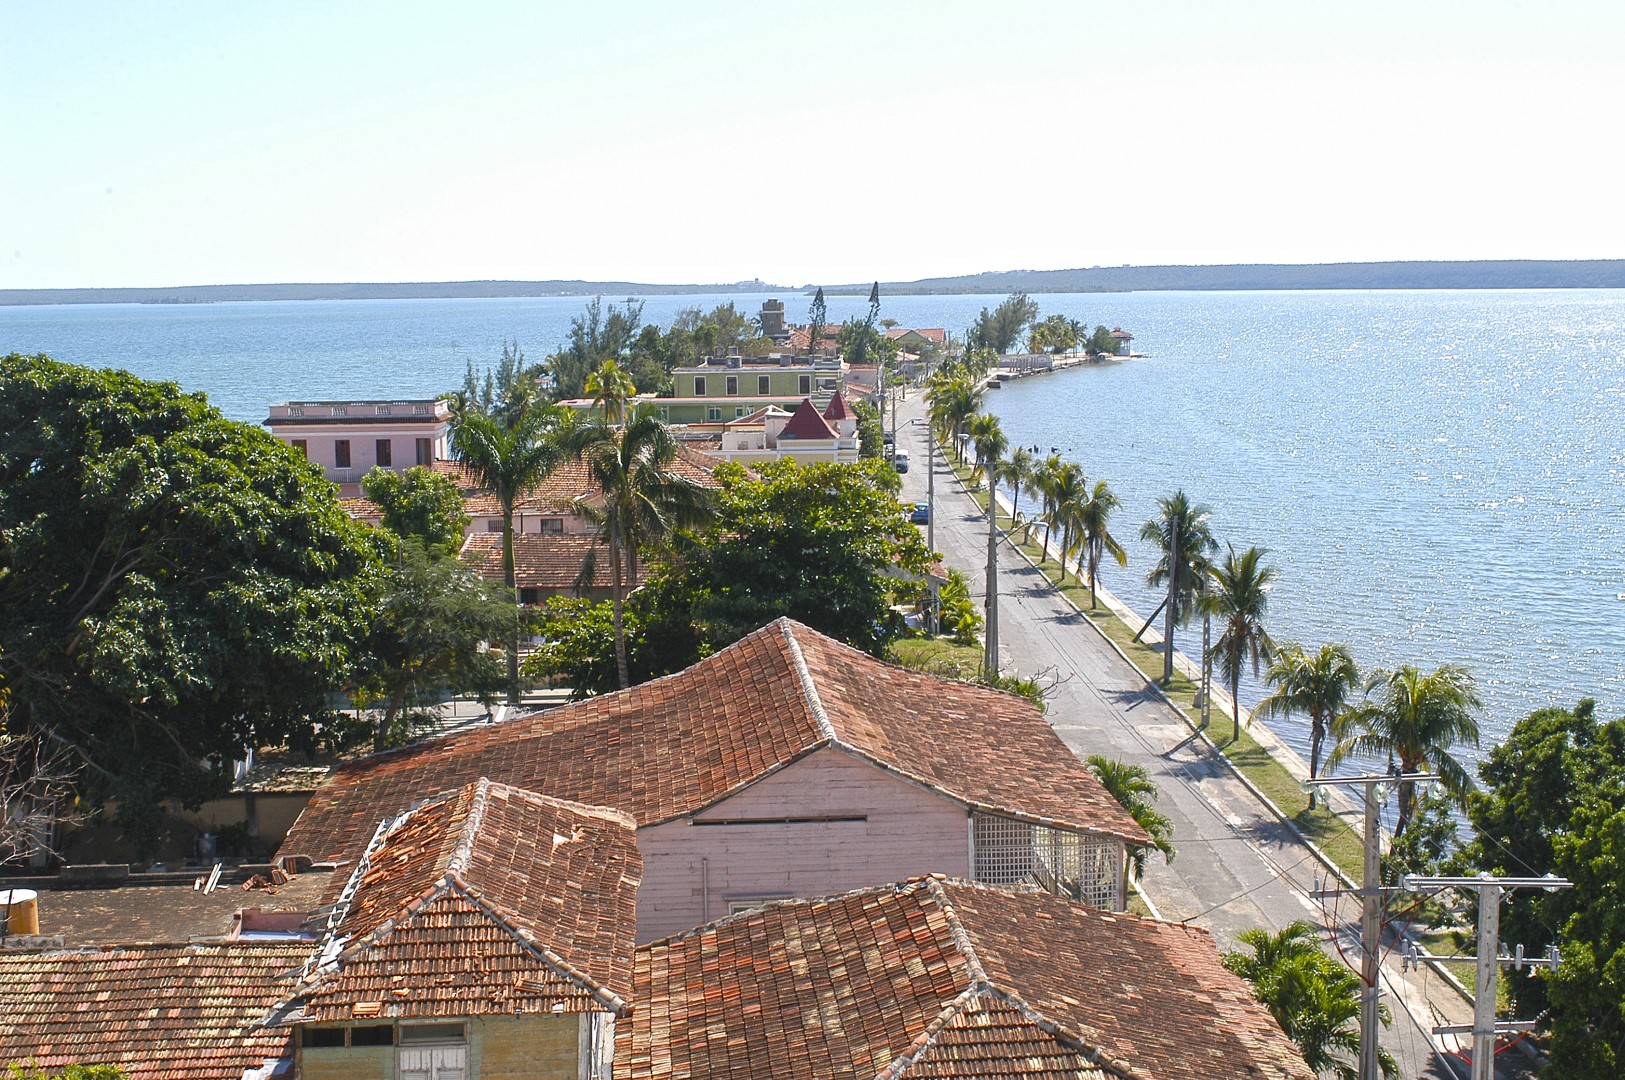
x=935, y=335
x=678, y=744
x=837, y=410
x=486, y=900
x=807, y=424
x=565, y=484
x=550, y=561
x=162, y=1012
x=945, y=979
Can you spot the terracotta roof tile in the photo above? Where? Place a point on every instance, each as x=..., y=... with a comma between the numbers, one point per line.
x=487, y=900
x=550, y=561
x=837, y=409
x=807, y=423
x=678, y=744
x=162, y=1012
x=564, y=485
x=945, y=980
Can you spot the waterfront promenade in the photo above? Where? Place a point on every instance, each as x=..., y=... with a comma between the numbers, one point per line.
x=1237, y=866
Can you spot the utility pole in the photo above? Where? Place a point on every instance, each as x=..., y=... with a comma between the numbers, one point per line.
x=1173, y=585
x=1207, y=670
x=1490, y=957
x=1376, y=793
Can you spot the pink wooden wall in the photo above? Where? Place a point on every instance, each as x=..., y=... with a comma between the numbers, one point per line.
x=908, y=831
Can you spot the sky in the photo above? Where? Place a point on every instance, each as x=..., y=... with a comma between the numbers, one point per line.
x=160, y=144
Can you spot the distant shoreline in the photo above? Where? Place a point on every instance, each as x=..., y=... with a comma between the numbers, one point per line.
x=1253, y=277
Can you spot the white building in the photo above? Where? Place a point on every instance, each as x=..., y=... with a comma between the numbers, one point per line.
x=349, y=438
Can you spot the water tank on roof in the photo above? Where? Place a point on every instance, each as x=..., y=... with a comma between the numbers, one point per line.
x=20, y=909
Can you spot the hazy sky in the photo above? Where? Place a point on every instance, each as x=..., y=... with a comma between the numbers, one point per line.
x=195, y=143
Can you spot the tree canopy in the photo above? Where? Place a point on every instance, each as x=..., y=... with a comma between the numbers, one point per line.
x=175, y=587
x=420, y=505
x=1002, y=327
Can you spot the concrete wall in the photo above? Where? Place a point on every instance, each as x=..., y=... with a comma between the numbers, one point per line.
x=275, y=813
x=692, y=871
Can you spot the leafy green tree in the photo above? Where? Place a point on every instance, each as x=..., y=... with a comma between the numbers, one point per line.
x=508, y=388
x=1092, y=518
x=822, y=543
x=430, y=622
x=1001, y=328
x=1190, y=522
x=1136, y=792
x=817, y=319
x=595, y=336
x=34, y=1071
x=1415, y=720
x=175, y=587
x=1101, y=342
x=1315, y=999
x=1427, y=844
x=509, y=453
x=1238, y=596
x=1055, y=334
x=644, y=503
x=421, y=505
x=1534, y=784
x=1587, y=992
x=871, y=436
x=1318, y=685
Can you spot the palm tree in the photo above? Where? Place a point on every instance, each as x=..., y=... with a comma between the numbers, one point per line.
x=644, y=503
x=508, y=453
x=1016, y=470
x=610, y=388
x=1068, y=490
x=1178, y=520
x=988, y=440
x=1415, y=719
x=1043, y=482
x=1239, y=597
x=1317, y=685
x=1093, y=515
x=954, y=400
x=1134, y=789
x=1314, y=998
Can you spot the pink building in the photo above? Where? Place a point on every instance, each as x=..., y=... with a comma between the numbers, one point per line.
x=786, y=765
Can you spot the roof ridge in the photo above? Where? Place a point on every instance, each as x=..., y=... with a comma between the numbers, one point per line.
x=507, y=918
x=958, y=932
x=605, y=813
x=928, y=1038
x=809, y=689
x=463, y=850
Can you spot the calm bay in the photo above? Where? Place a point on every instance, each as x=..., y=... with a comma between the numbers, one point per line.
x=1440, y=476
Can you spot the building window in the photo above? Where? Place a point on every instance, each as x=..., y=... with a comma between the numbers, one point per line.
x=713, y=413
x=381, y=410
x=739, y=411
x=699, y=386
x=341, y=453
x=731, y=385
x=551, y=525
x=764, y=385
x=322, y=1038
x=386, y=452
x=425, y=452
x=373, y=1035
x=493, y=525
x=750, y=903
x=528, y=597
x=304, y=450
x=806, y=385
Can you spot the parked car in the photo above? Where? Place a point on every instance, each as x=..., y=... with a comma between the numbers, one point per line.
x=900, y=460
x=921, y=515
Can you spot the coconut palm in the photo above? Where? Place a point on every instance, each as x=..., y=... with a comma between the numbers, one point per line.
x=1415, y=719
x=1238, y=595
x=1179, y=519
x=1067, y=489
x=1134, y=789
x=954, y=399
x=1016, y=470
x=610, y=388
x=989, y=442
x=644, y=504
x=1093, y=517
x=1317, y=685
x=508, y=453
x=1044, y=474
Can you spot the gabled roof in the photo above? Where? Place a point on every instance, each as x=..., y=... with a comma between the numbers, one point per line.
x=549, y=561
x=489, y=899
x=837, y=409
x=945, y=979
x=936, y=335
x=162, y=1012
x=807, y=424
x=757, y=418
x=678, y=744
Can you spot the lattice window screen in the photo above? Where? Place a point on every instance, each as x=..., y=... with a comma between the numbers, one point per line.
x=1010, y=852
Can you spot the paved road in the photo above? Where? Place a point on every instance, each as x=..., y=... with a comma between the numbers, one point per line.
x=1237, y=866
